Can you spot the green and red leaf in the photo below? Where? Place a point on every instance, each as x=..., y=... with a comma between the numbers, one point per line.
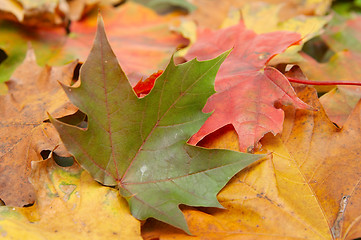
x=140, y=145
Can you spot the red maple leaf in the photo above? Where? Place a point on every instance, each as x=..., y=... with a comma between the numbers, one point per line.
x=247, y=89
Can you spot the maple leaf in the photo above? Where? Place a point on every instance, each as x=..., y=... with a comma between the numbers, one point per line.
x=64, y=197
x=328, y=156
x=308, y=189
x=247, y=89
x=140, y=144
x=143, y=41
x=33, y=90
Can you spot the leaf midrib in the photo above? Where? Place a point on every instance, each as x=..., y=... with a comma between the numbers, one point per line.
x=107, y=107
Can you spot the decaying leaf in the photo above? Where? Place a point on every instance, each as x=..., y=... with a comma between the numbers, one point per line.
x=329, y=159
x=247, y=89
x=140, y=144
x=33, y=90
x=69, y=205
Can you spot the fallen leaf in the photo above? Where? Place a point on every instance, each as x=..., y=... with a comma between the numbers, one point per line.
x=329, y=159
x=268, y=200
x=214, y=14
x=33, y=90
x=69, y=205
x=339, y=103
x=141, y=39
x=247, y=89
x=262, y=18
x=308, y=189
x=140, y=144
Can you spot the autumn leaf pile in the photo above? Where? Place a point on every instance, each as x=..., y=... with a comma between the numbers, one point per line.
x=196, y=119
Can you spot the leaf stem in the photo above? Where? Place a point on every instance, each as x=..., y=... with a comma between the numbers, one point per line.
x=309, y=82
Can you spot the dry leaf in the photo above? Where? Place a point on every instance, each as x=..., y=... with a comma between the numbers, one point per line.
x=33, y=91
x=329, y=159
x=69, y=205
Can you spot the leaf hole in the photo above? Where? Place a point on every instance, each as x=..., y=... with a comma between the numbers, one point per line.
x=76, y=73
x=45, y=154
x=3, y=55
x=29, y=205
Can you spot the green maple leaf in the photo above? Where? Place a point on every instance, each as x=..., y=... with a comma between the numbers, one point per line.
x=140, y=145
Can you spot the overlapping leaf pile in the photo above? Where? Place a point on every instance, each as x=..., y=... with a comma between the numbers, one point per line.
x=157, y=133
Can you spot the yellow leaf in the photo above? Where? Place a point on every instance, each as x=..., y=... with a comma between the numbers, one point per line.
x=70, y=205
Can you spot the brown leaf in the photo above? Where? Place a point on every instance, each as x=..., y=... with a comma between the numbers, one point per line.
x=69, y=205
x=329, y=159
x=33, y=91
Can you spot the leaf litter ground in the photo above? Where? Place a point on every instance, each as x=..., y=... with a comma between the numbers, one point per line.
x=268, y=187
